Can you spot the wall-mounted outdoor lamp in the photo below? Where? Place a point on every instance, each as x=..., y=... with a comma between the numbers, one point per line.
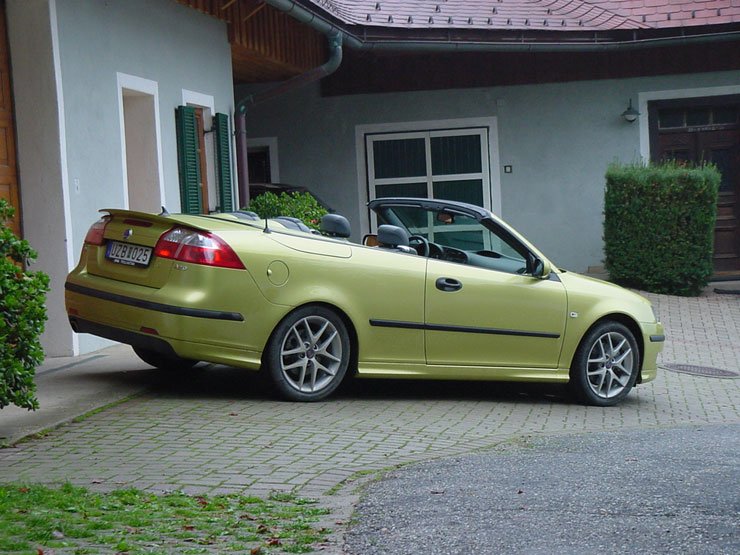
x=630, y=114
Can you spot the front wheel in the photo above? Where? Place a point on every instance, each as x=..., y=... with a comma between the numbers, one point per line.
x=606, y=365
x=308, y=354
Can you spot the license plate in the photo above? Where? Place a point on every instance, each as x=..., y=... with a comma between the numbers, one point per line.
x=130, y=255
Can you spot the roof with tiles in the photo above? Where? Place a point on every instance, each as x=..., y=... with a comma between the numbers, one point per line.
x=533, y=15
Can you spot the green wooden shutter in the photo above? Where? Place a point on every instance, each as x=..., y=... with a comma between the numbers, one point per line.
x=188, y=160
x=223, y=162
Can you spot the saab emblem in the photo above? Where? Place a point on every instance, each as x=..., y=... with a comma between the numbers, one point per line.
x=128, y=233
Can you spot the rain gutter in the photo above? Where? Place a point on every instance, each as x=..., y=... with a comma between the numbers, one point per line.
x=334, y=37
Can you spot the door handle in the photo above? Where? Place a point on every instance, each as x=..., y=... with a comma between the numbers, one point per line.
x=448, y=284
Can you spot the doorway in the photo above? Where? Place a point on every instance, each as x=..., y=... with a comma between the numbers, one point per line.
x=706, y=130
x=142, y=164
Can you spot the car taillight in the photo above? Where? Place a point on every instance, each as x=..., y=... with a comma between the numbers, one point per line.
x=97, y=230
x=198, y=247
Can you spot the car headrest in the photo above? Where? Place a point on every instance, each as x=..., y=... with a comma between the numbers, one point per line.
x=335, y=225
x=392, y=236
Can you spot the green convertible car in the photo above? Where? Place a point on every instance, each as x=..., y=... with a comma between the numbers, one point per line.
x=444, y=290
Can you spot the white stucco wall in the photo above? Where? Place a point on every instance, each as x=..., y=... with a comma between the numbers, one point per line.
x=559, y=139
x=157, y=40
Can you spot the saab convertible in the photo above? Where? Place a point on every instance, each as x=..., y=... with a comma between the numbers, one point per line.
x=444, y=290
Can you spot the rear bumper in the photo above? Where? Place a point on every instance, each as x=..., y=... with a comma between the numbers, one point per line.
x=159, y=307
x=140, y=340
x=225, y=321
x=170, y=347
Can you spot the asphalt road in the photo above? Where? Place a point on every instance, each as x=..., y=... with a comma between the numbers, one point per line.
x=651, y=491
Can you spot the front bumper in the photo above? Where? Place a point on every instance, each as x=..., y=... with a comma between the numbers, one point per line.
x=653, y=337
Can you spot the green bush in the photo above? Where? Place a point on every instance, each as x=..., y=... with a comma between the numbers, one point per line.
x=23, y=313
x=659, y=226
x=296, y=205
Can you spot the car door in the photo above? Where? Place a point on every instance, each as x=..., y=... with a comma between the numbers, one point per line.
x=482, y=310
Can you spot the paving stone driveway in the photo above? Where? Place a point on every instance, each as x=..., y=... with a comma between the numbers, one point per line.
x=220, y=431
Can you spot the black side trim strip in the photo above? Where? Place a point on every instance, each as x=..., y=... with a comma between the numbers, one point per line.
x=462, y=329
x=657, y=338
x=159, y=307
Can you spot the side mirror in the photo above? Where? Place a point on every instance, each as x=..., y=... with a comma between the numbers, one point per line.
x=541, y=269
x=370, y=240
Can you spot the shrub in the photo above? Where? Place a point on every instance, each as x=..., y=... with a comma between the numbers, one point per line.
x=659, y=226
x=296, y=205
x=22, y=317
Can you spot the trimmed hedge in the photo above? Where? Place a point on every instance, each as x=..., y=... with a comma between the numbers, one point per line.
x=22, y=317
x=659, y=226
x=296, y=205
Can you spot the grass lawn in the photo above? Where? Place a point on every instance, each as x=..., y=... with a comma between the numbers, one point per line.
x=69, y=519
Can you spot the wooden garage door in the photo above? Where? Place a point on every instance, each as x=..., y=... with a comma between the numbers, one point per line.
x=8, y=174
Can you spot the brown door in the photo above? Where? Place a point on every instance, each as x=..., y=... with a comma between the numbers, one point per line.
x=721, y=147
x=8, y=174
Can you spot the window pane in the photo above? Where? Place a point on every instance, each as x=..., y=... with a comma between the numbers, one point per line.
x=725, y=114
x=416, y=190
x=416, y=220
x=399, y=158
x=451, y=155
x=697, y=116
x=722, y=157
x=670, y=118
x=467, y=190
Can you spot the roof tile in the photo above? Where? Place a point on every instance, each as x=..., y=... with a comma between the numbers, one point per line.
x=591, y=15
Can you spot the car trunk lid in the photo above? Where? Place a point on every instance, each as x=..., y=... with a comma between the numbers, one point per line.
x=127, y=250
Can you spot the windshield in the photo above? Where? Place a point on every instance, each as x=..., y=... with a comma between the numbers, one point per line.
x=459, y=237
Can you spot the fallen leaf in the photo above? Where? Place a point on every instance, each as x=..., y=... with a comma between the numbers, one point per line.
x=201, y=501
x=233, y=414
x=23, y=490
x=188, y=527
x=96, y=481
x=247, y=517
x=274, y=542
x=262, y=529
x=520, y=491
x=256, y=551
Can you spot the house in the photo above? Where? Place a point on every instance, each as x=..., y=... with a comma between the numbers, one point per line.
x=515, y=105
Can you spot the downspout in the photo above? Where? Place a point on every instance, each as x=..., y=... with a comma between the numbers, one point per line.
x=240, y=112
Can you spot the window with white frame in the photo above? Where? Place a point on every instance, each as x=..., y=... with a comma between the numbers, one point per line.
x=447, y=164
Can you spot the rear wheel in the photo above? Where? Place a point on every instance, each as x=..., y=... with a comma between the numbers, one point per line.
x=164, y=362
x=308, y=354
x=606, y=365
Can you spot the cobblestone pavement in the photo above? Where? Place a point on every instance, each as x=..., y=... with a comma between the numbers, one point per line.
x=220, y=431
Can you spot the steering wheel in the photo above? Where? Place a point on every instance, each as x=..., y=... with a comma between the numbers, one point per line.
x=423, y=242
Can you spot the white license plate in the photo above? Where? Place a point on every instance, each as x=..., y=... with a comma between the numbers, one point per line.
x=130, y=255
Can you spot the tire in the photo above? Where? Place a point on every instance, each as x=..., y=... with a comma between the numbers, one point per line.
x=308, y=354
x=605, y=366
x=164, y=362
